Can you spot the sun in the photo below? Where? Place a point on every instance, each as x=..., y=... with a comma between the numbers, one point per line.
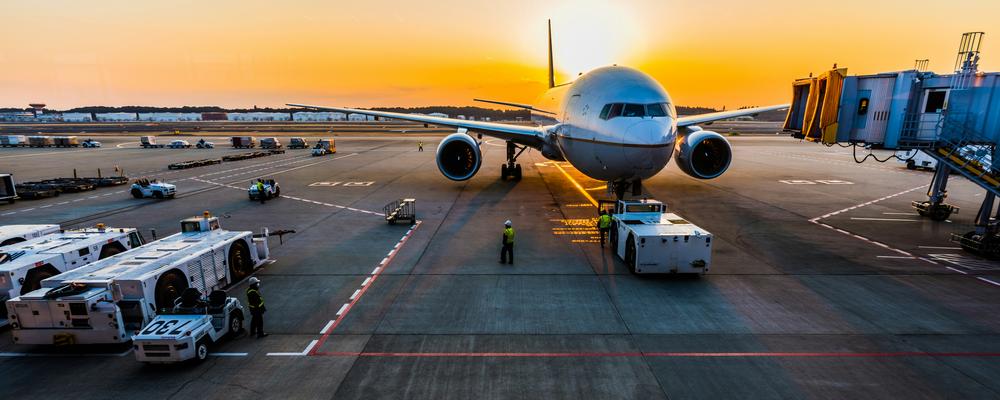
x=592, y=34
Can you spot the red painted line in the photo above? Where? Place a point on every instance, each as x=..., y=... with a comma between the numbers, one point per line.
x=663, y=354
x=361, y=293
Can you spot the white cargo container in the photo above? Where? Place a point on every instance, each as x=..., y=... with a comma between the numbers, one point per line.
x=10, y=234
x=24, y=265
x=653, y=241
x=13, y=140
x=109, y=300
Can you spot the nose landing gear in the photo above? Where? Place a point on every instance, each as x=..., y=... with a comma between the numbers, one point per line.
x=512, y=169
x=619, y=188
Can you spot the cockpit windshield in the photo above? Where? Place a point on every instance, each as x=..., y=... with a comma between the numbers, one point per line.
x=614, y=110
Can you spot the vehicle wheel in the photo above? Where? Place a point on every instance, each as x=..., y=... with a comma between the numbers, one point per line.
x=911, y=165
x=11, y=241
x=169, y=288
x=240, y=264
x=158, y=195
x=137, y=193
x=630, y=253
x=940, y=213
x=33, y=280
x=613, y=236
x=504, y=171
x=111, y=249
x=517, y=172
x=235, y=323
x=201, y=350
x=277, y=192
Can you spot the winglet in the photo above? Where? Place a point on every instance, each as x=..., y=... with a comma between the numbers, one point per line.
x=552, y=76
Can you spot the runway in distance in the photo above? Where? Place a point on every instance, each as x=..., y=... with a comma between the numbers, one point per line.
x=614, y=124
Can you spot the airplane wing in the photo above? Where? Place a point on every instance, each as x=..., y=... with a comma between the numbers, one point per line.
x=532, y=136
x=703, y=118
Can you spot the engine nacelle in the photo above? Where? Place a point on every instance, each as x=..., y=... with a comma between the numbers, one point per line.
x=703, y=154
x=459, y=157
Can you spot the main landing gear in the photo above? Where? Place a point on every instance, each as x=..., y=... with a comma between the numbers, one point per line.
x=512, y=169
x=619, y=188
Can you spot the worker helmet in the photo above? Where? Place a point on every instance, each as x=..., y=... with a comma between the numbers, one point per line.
x=508, y=223
x=254, y=280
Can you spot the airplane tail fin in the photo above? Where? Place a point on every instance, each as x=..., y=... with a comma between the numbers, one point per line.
x=552, y=76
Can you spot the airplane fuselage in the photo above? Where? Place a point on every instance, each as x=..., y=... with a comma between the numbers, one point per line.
x=612, y=123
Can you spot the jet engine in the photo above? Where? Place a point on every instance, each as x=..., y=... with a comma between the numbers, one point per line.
x=703, y=154
x=459, y=157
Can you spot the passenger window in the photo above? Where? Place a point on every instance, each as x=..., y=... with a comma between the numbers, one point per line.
x=634, y=110
x=656, y=110
x=84, y=251
x=616, y=110
x=605, y=110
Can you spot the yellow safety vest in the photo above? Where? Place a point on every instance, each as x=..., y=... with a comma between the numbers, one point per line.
x=260, y=187
x=249, y=290
x=604, y=221
x=508, y=235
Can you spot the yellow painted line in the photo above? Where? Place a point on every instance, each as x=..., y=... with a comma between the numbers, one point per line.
x=577, y=184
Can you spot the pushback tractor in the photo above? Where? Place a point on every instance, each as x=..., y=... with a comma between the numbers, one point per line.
x=186, y=331
x=23, y=266
x=10, y=234
x=112, y=299
x=652, y=241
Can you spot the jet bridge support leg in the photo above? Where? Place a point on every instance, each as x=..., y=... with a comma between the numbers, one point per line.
x=985, y=240
x=512, y=169
x=935, y=208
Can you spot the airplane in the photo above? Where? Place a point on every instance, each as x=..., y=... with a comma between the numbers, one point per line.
x=614, y=124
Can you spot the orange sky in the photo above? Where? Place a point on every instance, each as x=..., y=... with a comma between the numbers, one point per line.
x=391, y=53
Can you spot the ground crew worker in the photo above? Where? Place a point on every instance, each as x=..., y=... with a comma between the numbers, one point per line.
x=508, y=244
x=256, y=303
x=420, y=146
x=260, y=191
x=604, y=225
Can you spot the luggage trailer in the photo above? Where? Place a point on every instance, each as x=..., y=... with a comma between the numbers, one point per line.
x=110, y=300
x=24, y=265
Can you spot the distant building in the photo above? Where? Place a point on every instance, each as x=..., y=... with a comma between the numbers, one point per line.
x=77, y=117
x=116, y=117
x=460, y=117
x=357, y=117
x=169, y=117
x=439, y=115
x=318, y=116
x=260, y=116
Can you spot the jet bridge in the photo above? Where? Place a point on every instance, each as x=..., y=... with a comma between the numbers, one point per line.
x=954, y=118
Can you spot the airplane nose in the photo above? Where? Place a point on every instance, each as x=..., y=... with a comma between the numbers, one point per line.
x=645, y=132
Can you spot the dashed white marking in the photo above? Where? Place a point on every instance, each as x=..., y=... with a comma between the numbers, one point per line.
x=384, y=261
x=365, y=283
x=884, y=219
x=376, y=270
x=342, y=309
x=356, y=293
x=46, y=206
x=988, y=281
x=228, y=354
x=326, y=328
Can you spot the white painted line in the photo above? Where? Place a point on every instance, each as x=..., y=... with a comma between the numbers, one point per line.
x=309, y=347
x=958, y=270
x=327, y=327
x=884, y=219
x=342, y=309
x=356, y=293
x=391, y=252
x=286, y=354
x=32, y=208
x=375, y=271
x=228, y=354
x=9, y=213
x=46, y=206
x=988, y=281
x=365, y=283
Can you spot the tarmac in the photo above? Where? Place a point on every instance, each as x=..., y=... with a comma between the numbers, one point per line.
x=824, y=282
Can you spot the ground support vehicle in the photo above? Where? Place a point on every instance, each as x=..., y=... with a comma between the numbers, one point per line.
x=8, y=191
x=246, y=156
x=271, y=190
x=324, y=146
x=33, y=191
x=179, y=144
x=401, y=210
x=41, y=141
x=193, y=163
x=91, y=143
x=24, y=265
x=297, y=143
x=186, y=332
x=149, y=142
x=270, y=143
x=244, y=142
x=651, y=240
x=105, y=181
x=66, y=141
x=13, y=140
x=67, y=185
x=143, y=188
x=202, y=144
x=112, y=299
x=10, y=234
